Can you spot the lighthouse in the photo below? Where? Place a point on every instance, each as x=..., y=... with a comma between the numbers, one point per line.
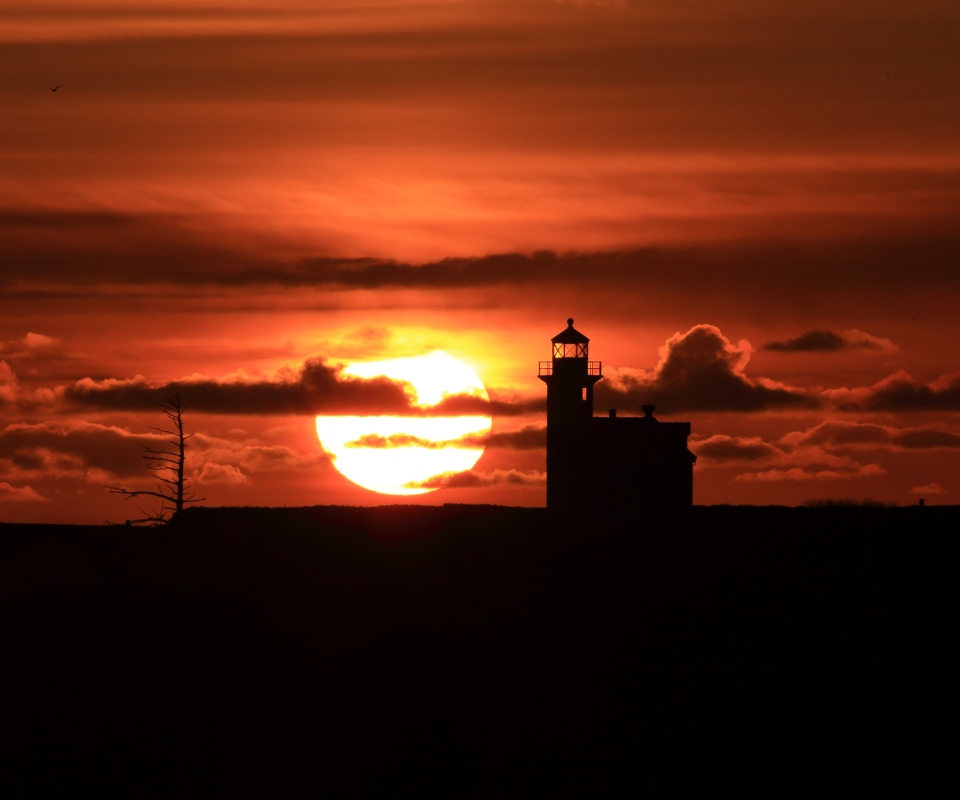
x=570, y=377
x=607, y=462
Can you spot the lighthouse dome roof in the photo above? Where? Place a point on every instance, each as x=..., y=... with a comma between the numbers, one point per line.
x=570, y=335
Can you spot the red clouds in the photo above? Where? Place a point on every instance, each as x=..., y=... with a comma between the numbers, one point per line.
x=822, y=468
x=90, y=453
x=8, y=381
x=832, y=450
x=221, y=188
x=769, y=462
x=700, y=370
x=932, y=488
x=314, y=388
x=18, y=494
x=480, y=480
x=901, y=392
x=531, y=437
x=828, y=341
x=845, y=433
x=317, y=387
x=721, y=448
x=418, y=131
x=73, y=448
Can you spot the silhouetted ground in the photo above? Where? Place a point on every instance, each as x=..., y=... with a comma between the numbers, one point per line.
x=480, y=651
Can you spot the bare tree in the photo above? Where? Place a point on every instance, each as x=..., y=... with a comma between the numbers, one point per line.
x=167, y=464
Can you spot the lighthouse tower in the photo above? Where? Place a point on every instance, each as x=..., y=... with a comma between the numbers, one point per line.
x=570, y=376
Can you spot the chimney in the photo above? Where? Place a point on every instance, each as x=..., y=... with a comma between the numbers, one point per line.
x=612, y=412
x=648, y=410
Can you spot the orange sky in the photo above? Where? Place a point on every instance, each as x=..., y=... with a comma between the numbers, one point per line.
x=238, y=189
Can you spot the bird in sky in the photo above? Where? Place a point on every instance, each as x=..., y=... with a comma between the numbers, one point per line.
x=54, y=88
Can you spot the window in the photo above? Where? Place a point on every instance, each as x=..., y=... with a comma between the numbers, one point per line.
x=561, y=350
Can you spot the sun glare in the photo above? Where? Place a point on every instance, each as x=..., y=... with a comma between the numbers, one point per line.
x=396, y=455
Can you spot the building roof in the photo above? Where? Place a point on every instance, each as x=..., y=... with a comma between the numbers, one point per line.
x=570, y=335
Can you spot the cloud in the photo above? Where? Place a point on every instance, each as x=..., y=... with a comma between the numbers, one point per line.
x=219, y=473
x=317, y=387
x=477, y=480
x=529, y=438
x=810, y=474
x=827, y=341
x=799, y=456
x=505, y=268
x=930, y=488
x=700, y=370
x=803, y=463
x=725, y=449
x=18, y=494
x=52, y=449
x=28, y=345
x=811, y=340
x=65, y=252
x=36, y=341
x=100, y=454
x=394, y=440
x=843, y=433
x=500, y=404
x=254, y=457
x=901, y=392
x=824, y=452
x=8, y=384
x=112, y=247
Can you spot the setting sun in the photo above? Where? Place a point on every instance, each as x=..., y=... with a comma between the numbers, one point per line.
x=399, y=455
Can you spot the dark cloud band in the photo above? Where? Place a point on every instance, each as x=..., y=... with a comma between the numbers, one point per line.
x=316, y=388
x=829, y=342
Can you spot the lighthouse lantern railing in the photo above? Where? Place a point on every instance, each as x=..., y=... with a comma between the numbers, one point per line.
x=593, y=368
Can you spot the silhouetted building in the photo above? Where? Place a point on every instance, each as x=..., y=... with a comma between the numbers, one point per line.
x=597, y=462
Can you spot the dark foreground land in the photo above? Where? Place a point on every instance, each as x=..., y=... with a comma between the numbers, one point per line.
x=480, y=652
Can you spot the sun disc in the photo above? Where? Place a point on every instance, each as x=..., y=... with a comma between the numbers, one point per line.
x=395, y=454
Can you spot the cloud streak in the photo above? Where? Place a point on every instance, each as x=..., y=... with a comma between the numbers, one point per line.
x=820, y=341
x=774, y=462
x=844, y=433
x=480, y=480
x=317, y=387
x=19, y=494
x=531, y=437
x=70, y=250
x=831, y=450
x=8, y=384
x=97, y=454
x=834, y=437
x=901, y=392
x=845, y=471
